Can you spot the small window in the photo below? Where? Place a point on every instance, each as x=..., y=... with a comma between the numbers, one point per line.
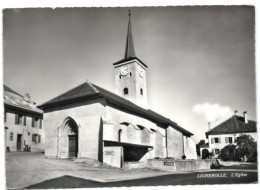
x=125, y=123
x=216, y=151
x=37, y=122
x=119, y=76
x=119, y=135
x=11, y=136
x=36, y=138
x=140, y=127
x=5, y=116
x=125, y=91
x=18, y=118
x=217, y=140
x=228, y=140
x=130, y=74
x=141, y=91
x=152, y=130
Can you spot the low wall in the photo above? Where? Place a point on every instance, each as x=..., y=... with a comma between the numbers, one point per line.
x=135, y=165
x=180, y=165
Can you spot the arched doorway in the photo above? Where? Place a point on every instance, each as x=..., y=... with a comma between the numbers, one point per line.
x=68, y=139
x=205, y=153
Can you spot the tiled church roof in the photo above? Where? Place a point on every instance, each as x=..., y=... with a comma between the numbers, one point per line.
x=87, y=91
x=235, y=124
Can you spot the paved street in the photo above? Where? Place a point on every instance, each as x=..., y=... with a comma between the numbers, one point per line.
x=24, y=169
x=34, y=170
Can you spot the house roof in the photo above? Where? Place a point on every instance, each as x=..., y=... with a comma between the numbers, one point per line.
x=15, y=100
x=235, y=124
x=88, y=90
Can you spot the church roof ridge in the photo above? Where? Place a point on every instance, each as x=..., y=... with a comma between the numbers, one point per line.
x=90, y=90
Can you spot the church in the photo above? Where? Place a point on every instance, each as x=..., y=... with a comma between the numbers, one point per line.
x=116, y=129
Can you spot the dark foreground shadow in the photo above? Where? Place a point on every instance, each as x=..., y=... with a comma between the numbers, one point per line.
x=197, y=178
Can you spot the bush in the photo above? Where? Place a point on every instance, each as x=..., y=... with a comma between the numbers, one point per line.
x=230, y=153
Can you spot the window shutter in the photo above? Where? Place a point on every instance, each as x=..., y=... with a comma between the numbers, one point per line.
x=33, y=121
x=16, y=119
x=32, y=137
x=226, y=139
x=212, y=140
x=24, y=120
x=39, y=138
x=40, y=123
x=219, y=140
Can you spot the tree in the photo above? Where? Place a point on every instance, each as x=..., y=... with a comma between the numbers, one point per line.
x=247, y=147
x=202, y=142
x=245, y=150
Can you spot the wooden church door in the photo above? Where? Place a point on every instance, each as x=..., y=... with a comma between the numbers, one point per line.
x=73, y=146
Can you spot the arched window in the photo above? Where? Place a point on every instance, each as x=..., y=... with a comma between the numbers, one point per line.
x=119, y=135
x=141, y=91
x=125, y=90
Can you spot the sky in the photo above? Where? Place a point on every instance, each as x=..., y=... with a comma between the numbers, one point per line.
x=201, y=60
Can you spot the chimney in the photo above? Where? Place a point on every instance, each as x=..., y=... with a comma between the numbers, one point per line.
x=209, y=125
x=27, y=97
x=245, y=116
x=236, y=112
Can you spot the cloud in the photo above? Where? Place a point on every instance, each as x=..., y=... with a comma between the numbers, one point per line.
x=213, y=112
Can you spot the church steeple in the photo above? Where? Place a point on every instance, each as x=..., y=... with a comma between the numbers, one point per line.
x=129, y=49
x=130, y=74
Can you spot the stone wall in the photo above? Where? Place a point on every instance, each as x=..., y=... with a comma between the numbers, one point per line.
x=87, y=116
x=175, y=143
x=180, y=165
x=190, y=148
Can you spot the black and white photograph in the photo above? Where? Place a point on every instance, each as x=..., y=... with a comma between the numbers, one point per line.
x=129, y=96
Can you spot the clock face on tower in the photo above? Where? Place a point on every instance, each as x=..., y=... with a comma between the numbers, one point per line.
x=124, y=70
x=141, y=72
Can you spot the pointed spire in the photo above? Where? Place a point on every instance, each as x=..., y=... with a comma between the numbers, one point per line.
x=129, y=50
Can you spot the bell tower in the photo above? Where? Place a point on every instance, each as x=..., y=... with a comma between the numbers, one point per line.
x=130, y=73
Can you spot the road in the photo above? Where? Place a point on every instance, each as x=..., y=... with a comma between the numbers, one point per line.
x=24, y=169
x=34, y=170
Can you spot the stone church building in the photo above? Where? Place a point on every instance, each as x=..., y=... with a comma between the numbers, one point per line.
x=113, y=128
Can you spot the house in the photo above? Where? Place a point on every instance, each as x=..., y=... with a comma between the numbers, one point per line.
x=23, y=122
x=227, y=132
x=91, y=122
